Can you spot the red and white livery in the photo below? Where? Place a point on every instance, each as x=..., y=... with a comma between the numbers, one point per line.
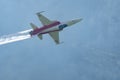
x=50, y=27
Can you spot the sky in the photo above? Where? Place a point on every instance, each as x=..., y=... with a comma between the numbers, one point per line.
x=90, y=49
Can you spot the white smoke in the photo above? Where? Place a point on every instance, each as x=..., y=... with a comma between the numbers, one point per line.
x=15, y=37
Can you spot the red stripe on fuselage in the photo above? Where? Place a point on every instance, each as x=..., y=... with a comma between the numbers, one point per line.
x=38, y=30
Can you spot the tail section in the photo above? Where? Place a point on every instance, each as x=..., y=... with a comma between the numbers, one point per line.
x=35, y=27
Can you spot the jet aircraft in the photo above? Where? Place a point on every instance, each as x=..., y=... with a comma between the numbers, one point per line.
x=50, y=27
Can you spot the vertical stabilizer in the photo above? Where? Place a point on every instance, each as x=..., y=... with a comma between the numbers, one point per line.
x=33, y=26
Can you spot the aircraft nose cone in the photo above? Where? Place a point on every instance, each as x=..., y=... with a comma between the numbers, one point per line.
x=74, y=22
x=78, y=20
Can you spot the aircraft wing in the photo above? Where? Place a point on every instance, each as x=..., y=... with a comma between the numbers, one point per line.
x=55, y=36
x=44, y=20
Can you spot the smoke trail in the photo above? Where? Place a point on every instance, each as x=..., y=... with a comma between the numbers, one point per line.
x=26, y=31
x=15, y=37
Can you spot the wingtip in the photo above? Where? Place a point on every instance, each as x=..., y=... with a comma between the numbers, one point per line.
x=40, y=12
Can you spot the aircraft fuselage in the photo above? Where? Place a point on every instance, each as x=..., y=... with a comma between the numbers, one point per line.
x=55, y=26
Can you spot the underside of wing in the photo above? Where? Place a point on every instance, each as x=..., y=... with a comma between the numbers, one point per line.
x=44, y=20
x=55, y=36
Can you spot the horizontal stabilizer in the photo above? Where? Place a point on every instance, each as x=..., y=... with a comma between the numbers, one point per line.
x=40, y=36
x=33, y=26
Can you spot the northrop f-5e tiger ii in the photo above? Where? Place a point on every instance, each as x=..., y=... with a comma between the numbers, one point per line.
x=50, y=27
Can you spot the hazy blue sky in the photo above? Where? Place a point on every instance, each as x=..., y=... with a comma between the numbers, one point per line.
x=91, y=49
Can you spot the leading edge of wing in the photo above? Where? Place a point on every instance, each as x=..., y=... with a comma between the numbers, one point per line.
x=44, y=20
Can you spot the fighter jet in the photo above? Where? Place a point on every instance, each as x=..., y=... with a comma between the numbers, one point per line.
x=50, y=27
